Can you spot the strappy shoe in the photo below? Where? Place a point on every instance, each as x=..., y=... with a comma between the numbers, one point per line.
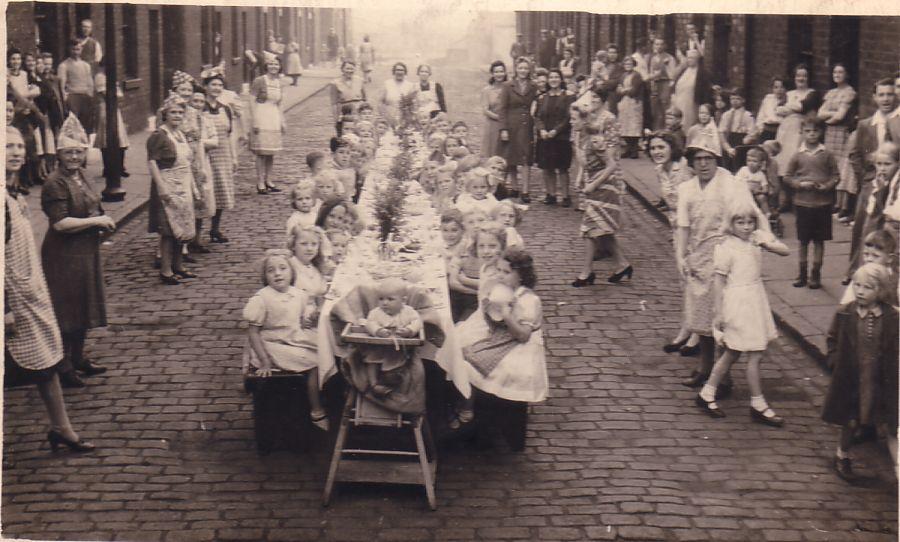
x=710, y=407
x=319, y=418
x=766, y=417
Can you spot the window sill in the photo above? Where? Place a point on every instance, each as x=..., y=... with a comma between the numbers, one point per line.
x=132, y=84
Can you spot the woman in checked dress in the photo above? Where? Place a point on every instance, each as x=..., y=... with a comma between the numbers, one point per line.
x=223, y=158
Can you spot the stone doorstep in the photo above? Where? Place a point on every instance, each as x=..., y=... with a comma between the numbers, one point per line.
x=792, y=308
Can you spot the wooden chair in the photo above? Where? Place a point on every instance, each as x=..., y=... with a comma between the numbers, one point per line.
x=382, y=465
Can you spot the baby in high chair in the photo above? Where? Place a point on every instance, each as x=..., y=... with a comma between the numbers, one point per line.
x=391, y=318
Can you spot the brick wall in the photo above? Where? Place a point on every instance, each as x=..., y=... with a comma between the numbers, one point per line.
x=20, y=25
x=879, y=41
x=769, y=45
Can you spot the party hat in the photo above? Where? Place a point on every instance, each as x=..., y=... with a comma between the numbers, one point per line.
x=72, y=134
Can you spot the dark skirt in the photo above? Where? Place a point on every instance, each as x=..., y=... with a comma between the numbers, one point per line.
x=14, y=375
x=553, y=154
x=74, y=275
x=157, y=221
x=813, y=223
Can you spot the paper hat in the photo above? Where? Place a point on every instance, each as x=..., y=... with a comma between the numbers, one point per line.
x=700, y=144
x=72, y=134
x=180, y=77
x=213, y=72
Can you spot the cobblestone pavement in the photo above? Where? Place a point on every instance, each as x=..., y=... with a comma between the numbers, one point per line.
x=619, y=451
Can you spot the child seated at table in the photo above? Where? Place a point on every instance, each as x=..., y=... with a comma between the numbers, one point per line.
x=496, y=165
x=467, y=273
x=305, y=204
x=460, y=131
x=310, y=249
x=509, y=215
x=282, y=329
x=477, y=194
x=315, y=161
x=428, y=177
x=391, y=318
x=452, y=232
x=339, y=215
x=436, y=146
x=444, y=196
x=342, y=157
x=328, y=187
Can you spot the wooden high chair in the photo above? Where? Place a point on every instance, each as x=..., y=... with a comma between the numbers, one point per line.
x=380, y=465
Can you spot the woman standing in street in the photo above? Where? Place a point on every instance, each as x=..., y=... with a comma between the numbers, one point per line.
x=71, y=251
x=517, y=127
x=171, y=208
x=490, y=103
x=431, y=94
x=800, y=101
x=267, y=123
x=393, y=90
x=838, y=111
x=293, y=67
x=346, y=90
x=692, y=88
x=631, y=107
x=223, y=158
x=554, y=138
x=33, y=349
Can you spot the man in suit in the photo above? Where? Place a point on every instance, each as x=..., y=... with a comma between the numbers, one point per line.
x=546, y=50
x=91, y=52
x=871, y=132
x=517, y=50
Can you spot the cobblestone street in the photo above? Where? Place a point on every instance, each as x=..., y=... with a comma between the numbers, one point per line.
x=618, y=451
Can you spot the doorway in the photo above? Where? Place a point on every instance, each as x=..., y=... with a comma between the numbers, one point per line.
x=721, y=47
x=155, y=54
x=844, y=46
x=800, y=43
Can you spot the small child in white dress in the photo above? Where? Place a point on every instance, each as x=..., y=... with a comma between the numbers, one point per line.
x=477, y=193
x=310, y=249
x=282, y=333
x=391, y=318
x=754, y=176
x=743, y=321
x=305, y=204
x=508, y=213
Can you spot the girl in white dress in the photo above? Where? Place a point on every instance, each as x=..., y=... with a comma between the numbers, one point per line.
x=311, y=251
x=282, y=333
x=743, y=321
x=513, y=367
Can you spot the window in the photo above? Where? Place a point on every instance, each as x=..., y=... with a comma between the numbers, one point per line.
x=130, y=40
x=206, y=38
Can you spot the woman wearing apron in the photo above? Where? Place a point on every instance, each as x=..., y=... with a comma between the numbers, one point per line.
x=223, y=158
x=431, y=94
x=171, y=211
x=346, y=90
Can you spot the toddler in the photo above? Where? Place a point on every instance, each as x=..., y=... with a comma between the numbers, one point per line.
x=753, y=174
x=477, y=194
x=813, y=175
x=743, y=322
x=460, y=131
x=509, y=215
x=879, y=247
x=496, y=165
x=281, y=329
x=391, y=318
x=862, y=354
x=338, y=239
x=305, y=204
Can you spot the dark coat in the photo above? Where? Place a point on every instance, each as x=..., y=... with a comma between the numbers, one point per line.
x=515, y=118
x=842, y=401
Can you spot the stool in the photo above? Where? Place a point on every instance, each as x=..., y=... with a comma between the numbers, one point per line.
x=510, y=417
x=280, y=411
x=377, y=467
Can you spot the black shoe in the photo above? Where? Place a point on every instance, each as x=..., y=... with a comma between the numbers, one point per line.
x=800, y=282
x=815, y=279
x=197, y=248
x=706, y=406
x=272, y=188
x=71, y=380
x=550, y=200
x=675, y=347
x=169, y=280
x=526, y=198
x=55, y=438
x=187, y=258
x=89, y=369
x=22, y=190
x=579, y=282
x=688, y=351
x=617, y=277
x=262, y=191
x=125, y=174
x=696, y=380
x=185, y=274
x=843, y=469
x=217, y=237
x=566, y=202
x=760, y=417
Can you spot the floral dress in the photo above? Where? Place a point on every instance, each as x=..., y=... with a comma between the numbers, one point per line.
x=603, y=205
x=173, y=156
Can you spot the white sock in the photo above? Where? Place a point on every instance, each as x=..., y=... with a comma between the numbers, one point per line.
x=759, y=403
x=708, y=393
x=841, y=454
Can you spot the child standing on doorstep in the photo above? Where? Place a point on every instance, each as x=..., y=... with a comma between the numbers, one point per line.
x=735, y=127
x=813, y=174
x=282, y=333
x=743, y=321
x=862, y=354
x=754, y=176
x=305, y=204
x=391, y=318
